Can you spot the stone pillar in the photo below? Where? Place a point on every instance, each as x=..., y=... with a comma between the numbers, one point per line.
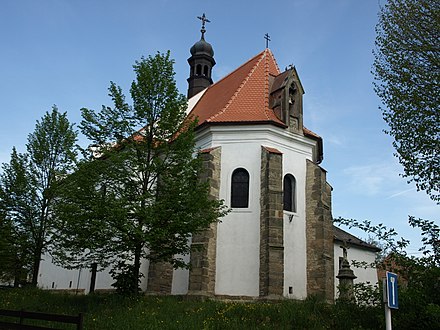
x=160, y=278
x=271, y=224
x=204, y=243
x=319, y=234
x=346, y=277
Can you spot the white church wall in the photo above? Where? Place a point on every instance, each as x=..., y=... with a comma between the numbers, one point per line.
x=238, y=234
x=295, y=260
x=238, y=240
x=145, y=264
x=193, y=101
x=55, y=277
x=104, y=280
x=364, y=275
x=180, y=282
x=295, y=249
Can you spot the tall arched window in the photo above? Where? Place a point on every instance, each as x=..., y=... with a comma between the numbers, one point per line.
x=289, y=193
x=205, y=70
x=240, y=188
x=199, y=70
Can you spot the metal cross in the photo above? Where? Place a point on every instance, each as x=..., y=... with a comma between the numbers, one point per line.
x=267, y=37
x=204, y=20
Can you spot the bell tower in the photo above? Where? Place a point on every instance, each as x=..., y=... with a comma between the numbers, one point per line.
x=201, y=63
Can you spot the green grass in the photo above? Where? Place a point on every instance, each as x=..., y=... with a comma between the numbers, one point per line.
x=111, y=311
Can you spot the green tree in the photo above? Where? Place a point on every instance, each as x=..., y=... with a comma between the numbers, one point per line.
x=419, y=286
x=17, y=209
x=137, y=193
x=29, y=184
x=407, y=79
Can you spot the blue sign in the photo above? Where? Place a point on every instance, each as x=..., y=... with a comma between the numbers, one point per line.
x=392, y=295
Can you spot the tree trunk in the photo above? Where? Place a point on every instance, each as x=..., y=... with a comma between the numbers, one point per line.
x=16, y=281
x=93, y=279
x=36, y=266
x=17, y=272
x=137, y=265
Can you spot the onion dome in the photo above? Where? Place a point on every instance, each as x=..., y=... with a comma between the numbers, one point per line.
x=201, y=63
x=202, y=47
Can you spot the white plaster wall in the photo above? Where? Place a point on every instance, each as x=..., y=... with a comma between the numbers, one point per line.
x=145, y=264
x=238, y=234
x=55, y=277
x=363, y=274
x=180, y=282
x=238, y=239
x=193, y=101
x=295, y=248
x=295, y=259
x=61, y=277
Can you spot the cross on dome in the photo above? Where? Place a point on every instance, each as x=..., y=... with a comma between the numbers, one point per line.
x=204, y=20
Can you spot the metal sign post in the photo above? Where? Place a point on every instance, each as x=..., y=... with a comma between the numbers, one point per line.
x=392, y=290
x=390, y=297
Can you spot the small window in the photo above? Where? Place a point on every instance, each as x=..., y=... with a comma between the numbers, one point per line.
x=240, y=188
x=289, y=193
x=198, y=70
x=205, y=70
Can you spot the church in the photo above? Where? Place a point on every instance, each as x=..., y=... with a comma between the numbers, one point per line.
x=278, y=241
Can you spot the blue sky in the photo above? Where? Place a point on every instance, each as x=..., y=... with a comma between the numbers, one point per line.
x=66, y=52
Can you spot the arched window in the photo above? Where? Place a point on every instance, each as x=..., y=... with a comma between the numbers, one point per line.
x=240, y=188
x=289, y=193
x=198, y=70
x=205, y=70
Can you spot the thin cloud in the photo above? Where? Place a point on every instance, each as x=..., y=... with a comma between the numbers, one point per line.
x=372, y=179
x=333, y=139
x=401, y=192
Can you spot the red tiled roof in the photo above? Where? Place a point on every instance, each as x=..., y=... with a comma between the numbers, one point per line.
x=273, y=150
x=310, y=133
x=207, y=150
x=242, y=96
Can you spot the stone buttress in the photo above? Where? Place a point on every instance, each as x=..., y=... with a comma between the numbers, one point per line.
x=319, y=234
x=271, y=225
x=203, y=246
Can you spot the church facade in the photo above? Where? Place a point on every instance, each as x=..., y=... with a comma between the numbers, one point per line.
x=278, y=239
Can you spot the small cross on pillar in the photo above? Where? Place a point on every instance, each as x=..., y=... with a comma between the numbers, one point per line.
x=344, y=248
x=345, y=275
x=267, y=37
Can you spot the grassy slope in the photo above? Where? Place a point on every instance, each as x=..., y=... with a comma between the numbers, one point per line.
x=111, y=311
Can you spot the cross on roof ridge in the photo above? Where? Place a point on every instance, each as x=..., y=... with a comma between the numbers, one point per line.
x=267, y=37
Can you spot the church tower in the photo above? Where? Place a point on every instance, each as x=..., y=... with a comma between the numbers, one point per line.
x=201, y=63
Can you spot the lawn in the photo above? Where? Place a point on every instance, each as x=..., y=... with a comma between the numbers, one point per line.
x=111, y=311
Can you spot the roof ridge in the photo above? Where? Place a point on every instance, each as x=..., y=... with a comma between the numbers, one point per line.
x=274, y=60
x=245, y=80
x=266, y=83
